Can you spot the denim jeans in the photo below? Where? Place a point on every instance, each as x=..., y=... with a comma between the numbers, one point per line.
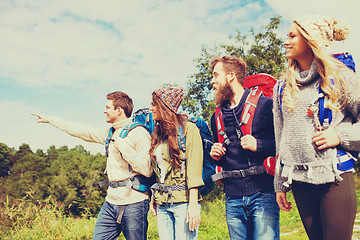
x=253, y=217
x=171, y=221
x=133, y=224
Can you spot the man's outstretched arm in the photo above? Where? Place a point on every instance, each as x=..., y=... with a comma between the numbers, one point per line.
x=74, y=129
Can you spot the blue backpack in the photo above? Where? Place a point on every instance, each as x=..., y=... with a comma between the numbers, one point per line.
x=144, y=116
x=208, y=163
x=325, y=116
x=346, y=59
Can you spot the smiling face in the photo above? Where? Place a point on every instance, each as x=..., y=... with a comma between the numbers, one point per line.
x=112, y=114
x=296, y=46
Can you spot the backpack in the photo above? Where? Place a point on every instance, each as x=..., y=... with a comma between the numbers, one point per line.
x=138, y=182
x=346, y=158
x=346, y=59
x=263, y=81
x=259, y=84
x=144, y=116
x=208, y=163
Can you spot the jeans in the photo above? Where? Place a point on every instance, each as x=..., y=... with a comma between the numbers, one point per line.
x=171, y=221
x=253, y=217
x=133, y=222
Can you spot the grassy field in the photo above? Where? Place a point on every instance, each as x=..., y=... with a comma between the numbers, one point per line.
x=44, y=220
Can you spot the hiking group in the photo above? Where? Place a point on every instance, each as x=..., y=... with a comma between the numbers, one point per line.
x=310, y=120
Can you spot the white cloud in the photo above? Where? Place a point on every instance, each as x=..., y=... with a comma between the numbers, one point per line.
x=65, y=44
x=68, y=43
x=89, y=48
x=21, y=127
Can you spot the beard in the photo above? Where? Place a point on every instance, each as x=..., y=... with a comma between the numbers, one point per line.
x=224, y=93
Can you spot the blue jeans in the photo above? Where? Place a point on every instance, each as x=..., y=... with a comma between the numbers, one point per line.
x=171, y=221
x=253, y=217
x=133, y=222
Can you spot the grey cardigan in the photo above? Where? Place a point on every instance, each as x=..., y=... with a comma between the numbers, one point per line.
x=298, y=157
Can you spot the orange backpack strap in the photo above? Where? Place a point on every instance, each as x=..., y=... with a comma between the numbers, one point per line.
x=219, y=124
x=248, y=112
x=222, y=137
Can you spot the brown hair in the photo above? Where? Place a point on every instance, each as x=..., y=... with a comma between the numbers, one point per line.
x=121, y=100
x=231, y=64
x=166, y=129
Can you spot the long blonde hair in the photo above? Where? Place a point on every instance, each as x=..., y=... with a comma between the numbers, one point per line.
x=331, y=72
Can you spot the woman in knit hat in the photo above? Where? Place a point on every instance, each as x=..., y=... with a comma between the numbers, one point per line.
x=306, y=144
x=176, y=197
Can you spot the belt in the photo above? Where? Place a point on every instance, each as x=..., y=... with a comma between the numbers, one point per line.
x=168, y=188
x=132, y=183
x=241, y=173
x=114, y=184
x=162, y=188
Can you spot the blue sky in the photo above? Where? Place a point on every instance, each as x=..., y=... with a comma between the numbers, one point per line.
x=62, y=57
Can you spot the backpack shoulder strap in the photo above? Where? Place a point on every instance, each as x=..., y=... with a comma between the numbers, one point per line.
x=248, y=112
x=108, y=139
x=182, y=145
x=280, y=90
x=222, y=136
x=181, y=139
x=110, y=133
x=325, y=114
x=219, y=124
x=125, y=131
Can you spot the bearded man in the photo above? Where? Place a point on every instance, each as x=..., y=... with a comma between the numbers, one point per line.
x=251, y=208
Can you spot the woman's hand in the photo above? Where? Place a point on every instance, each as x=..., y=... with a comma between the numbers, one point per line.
x=282, y=201
x=193, y=216
x=193, y=210
x=326, y=139
x=153, y=206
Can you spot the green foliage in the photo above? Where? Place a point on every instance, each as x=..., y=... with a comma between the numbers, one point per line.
x=262, y=51
x=25, y=219
x=5, y=160
x=69, y=176
x=213, y=220
x=216, y=194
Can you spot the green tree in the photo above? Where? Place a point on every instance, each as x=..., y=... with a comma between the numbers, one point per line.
x=69, y=176
x=26, y=173
x=5, y=160
x=262, y=51
x=74, y=178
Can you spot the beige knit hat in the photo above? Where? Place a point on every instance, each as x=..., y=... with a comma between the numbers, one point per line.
x=324, y=29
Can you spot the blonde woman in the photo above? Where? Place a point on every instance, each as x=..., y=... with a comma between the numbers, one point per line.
x=322, y=186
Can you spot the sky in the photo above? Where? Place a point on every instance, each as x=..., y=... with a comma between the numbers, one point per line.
x=62, y=57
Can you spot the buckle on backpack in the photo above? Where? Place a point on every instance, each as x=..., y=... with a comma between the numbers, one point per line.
x=239, y=173
x=113, y=184
x=302, y=167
